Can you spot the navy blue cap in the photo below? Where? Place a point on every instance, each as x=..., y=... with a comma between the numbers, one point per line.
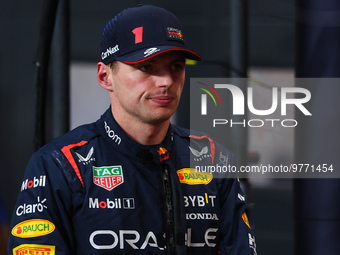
x=139, y=33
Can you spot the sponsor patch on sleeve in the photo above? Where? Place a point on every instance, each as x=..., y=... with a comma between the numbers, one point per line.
x=191, y=176
x=36, y=249
x=33, y=228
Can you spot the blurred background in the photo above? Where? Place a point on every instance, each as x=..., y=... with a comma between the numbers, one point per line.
x=266, y=45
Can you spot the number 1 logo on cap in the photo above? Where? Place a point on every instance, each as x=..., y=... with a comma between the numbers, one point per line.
x=138, y=32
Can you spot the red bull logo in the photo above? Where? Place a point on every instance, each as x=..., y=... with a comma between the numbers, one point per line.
x=161, y=151
x=176, y=34
x=163, y=154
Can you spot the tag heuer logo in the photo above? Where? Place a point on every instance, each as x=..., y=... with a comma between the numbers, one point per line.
x=108, y=177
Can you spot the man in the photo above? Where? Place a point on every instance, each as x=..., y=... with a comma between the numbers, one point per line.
x=123, y=185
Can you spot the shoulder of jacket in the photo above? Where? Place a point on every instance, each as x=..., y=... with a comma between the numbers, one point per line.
x=59, y=152
x=60, y=147
x=198, y=140
x=188, y=133
x=76, y=136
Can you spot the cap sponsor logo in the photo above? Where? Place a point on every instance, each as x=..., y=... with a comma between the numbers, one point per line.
x=33, y=228
x=110, y=51
x=174, y=34
x=108, y=177
x=36, y=249
x=150, y=51
x=193, y=177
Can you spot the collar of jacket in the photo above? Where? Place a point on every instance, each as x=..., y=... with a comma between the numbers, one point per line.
x=112, y=132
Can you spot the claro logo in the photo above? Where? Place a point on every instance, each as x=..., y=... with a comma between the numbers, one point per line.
x=32, y=208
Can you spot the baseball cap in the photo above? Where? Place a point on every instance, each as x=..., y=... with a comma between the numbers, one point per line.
x=142, y=32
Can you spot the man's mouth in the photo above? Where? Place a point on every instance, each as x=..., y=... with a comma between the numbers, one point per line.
x=162, y=100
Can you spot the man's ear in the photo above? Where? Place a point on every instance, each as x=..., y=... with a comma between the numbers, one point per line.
x=104, y=76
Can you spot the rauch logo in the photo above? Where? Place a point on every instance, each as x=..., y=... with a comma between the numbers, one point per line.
x=33, y=228
x=193, y=177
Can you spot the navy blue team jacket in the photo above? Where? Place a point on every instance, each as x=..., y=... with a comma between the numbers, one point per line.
x=96, y=191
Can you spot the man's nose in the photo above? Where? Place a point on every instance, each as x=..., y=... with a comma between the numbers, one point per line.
x=164, y=78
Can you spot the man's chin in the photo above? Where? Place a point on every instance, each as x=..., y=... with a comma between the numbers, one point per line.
x=156, y=120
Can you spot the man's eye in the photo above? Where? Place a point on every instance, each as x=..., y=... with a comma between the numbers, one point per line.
x=145, y=68
x=178, y=67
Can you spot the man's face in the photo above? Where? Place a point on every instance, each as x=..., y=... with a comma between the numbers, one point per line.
x=149, y=91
